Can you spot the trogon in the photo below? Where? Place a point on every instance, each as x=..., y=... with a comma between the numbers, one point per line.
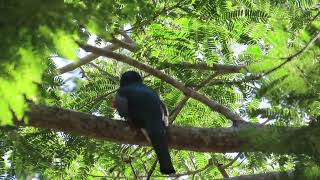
x=142, y=107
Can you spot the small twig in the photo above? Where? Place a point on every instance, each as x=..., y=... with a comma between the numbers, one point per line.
x=241, y=162
x=193, y=164
x=232, y=161
x=220, y=168
x=222, y=171
x=266, y=121
x=290, y=58
x=223, y=68
x=84, y=73
x=104, y=176
x=194, y=172
x=134, y=172
x=132, y=154
x=153, y=167
x=98, y=99
x=175, y=112
x=314, y=18
x=110, y=76
x=164, y=10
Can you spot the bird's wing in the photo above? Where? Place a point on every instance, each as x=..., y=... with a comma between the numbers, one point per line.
x=121, y=103
x=165, y=113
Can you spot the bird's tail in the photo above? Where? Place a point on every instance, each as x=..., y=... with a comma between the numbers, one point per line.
x=159, y=142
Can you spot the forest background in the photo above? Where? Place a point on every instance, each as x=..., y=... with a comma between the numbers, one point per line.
x=240, y=79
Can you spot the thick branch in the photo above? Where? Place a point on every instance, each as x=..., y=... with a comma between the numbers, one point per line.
x=223, y=68
x=267, y=139
x=187, y=91
x=265, y=176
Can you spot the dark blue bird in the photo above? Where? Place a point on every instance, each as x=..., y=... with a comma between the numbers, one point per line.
x=142, y=107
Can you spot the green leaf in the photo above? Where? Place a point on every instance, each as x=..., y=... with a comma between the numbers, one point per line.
x=13, y=91
x=66, y=45
x=255, y=52
x=5, y=115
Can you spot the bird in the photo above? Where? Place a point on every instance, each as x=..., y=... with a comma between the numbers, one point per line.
x=142, y=107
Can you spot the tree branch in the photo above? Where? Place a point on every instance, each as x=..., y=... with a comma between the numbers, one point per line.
x=98, y=99
x=287, y=59
x=125, y=43
x=290, y=58
x=235, y=118
x=174, y=113
x=85, y=60
x=223, y=68
x=127, y=37
x=147, y=21
x=110, y=76
x=246, y=139
x=266, y=176
x=130, y=46
x=209, y=164
x=232, y=161
x=153, y=167
x=220, y=167
x=133, y=171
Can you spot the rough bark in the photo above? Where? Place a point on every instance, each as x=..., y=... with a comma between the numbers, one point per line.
x=265, y=176
x=266, y=139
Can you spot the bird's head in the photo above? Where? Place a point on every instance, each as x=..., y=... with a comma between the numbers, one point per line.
x=130, y=77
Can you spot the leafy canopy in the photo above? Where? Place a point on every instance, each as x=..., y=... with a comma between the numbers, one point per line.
x=260, y=35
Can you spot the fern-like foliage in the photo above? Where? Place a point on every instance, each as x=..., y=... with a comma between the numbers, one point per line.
x=260, y=35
